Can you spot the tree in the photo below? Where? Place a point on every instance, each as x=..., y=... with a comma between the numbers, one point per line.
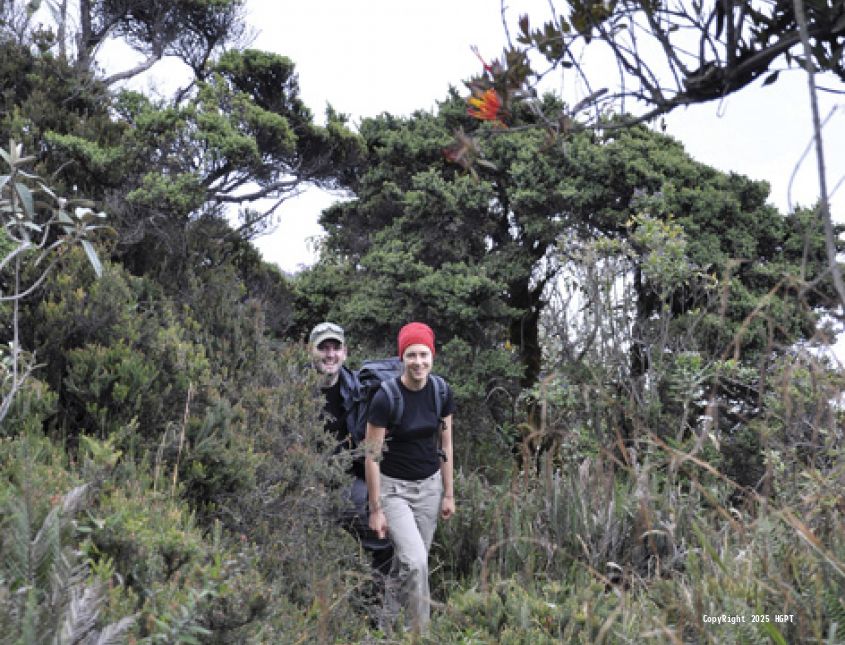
x=438, y=239
x=416, y=216
x=670, y=54
x=169, y=171
x=192, y=31
x=236, y=138
x=185, y=297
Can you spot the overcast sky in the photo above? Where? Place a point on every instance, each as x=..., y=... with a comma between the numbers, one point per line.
x=371, y=56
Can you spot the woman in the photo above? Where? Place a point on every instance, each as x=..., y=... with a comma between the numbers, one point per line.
x=407, y=483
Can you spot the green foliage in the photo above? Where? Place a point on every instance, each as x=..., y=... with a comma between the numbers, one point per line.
x=38, y=226
x=616, y=554
x=170, y=171
x=117, y=356
x=482, y=381
x=35, y=86
x=537, y=527
x=32, y=405
x=429, y=242
x=662, y=246
x=546, y=613
x=180, y=193
x=131, y=554
x=113, y=378
x=45, y=592
x=145, y=537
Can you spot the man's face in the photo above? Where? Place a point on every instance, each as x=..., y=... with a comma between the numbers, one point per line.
x=329, y=356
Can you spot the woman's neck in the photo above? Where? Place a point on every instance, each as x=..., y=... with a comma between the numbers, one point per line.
x=413, y=384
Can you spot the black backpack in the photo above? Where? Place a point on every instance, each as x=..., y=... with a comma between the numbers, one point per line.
x=384, y=374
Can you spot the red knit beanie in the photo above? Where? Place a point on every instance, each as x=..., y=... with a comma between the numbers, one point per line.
x=413, y=334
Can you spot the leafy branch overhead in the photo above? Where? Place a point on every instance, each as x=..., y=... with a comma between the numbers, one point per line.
x=665, y=54
x=670, y=54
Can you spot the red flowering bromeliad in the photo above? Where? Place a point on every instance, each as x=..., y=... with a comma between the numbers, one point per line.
x=486, y=106
x=485, y=102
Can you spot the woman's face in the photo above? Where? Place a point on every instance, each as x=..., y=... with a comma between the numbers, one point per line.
x=417, y=360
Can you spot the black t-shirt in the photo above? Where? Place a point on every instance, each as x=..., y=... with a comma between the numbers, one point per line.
x=334, y=416
x=411, y=449
x=335, y=419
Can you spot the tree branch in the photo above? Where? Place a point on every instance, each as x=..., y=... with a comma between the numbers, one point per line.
x=824, y=206
x=138, y=69
x=267, y=191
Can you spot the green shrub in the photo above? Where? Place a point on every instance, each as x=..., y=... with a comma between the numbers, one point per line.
x=116, y=353
x=577, y=610
x=181, y=581
x=484, y=385
x=31, y=408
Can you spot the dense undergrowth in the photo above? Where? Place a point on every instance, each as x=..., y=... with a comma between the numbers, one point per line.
x=586, y=545
x=596, y=553
x=165, y=478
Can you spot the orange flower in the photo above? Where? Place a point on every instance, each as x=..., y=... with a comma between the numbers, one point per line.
x=486, y=106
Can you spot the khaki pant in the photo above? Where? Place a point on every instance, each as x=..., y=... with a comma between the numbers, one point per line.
x=411, y=509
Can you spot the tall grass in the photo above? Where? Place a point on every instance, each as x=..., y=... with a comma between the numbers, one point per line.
x=658, y=542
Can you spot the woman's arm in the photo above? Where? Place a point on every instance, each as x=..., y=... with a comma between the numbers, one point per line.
x=447, y=507
x=373, y=442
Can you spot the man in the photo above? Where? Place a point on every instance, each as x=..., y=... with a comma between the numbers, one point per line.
x=338, y=383
x=340, y=388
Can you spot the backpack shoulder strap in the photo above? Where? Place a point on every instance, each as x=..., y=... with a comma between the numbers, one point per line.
x=441, y=393
x=394, y=397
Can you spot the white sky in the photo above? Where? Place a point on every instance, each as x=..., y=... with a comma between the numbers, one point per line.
x=371, y=56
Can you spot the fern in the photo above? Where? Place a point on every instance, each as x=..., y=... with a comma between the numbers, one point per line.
x=17, y=545
x=48, y=599
x=80, y=615
x=27, y=617
x=113, y=634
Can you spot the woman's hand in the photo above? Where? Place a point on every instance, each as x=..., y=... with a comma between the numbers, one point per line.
x=378, y=523
x=447, y=507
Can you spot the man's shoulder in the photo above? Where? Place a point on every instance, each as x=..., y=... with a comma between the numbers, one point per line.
x=348, y=380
